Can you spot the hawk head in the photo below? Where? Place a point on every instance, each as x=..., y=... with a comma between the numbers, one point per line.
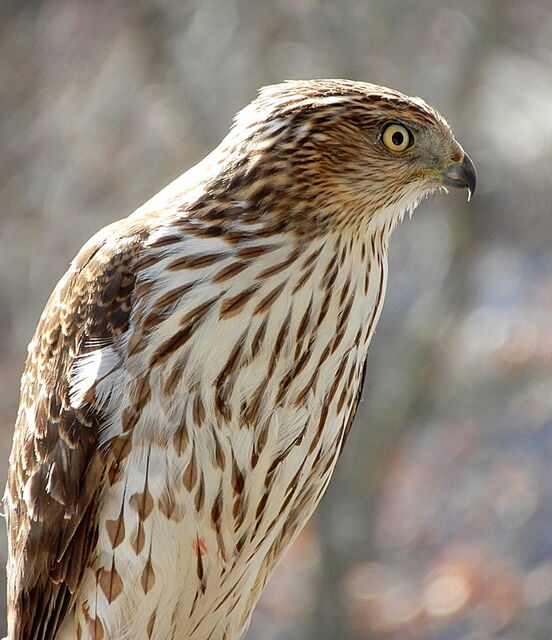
x=342, y=153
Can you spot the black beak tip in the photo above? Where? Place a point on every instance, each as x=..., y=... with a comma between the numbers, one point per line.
x=461, y=175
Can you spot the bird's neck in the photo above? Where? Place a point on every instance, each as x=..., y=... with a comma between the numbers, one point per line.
x=247, y=196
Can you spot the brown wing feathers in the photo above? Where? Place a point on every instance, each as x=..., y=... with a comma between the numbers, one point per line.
x=56, y=469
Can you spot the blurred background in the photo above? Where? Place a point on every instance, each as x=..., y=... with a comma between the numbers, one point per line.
x=438, y=523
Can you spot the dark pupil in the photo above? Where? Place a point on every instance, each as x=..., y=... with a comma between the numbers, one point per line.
x=398, y=138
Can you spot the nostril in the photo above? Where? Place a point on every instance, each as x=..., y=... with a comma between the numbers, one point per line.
x=456, y=157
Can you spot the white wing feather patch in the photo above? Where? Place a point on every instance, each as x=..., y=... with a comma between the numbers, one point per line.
x=97, y=370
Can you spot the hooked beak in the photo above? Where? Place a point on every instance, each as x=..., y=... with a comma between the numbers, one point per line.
x=461, y=175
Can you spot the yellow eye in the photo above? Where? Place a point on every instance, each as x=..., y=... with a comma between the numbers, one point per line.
x=397, y=138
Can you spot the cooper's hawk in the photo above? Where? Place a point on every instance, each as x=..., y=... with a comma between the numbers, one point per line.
x=196, y=371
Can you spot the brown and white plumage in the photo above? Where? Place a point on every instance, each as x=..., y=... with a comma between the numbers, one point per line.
x=195, y=372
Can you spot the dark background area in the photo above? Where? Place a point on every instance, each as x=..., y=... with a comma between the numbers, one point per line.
x=438, y=523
